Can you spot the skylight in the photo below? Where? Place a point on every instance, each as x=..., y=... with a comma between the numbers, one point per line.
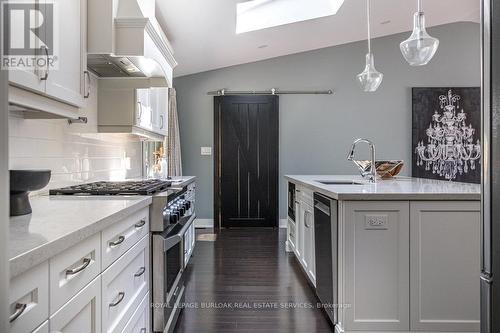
x=261, y=14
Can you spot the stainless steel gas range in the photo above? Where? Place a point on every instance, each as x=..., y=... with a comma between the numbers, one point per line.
x=171, y=215
x=168, y=250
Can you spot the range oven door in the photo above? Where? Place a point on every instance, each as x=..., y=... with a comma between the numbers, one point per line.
x=168, y=285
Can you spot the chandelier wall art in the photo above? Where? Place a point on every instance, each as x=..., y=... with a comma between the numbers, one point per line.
x=450, y=148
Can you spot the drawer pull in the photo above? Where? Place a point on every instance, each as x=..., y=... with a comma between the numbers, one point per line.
x=140, y=224
x=86, y=262
x=121, y=296
x=117, y=242
x=140, y=271
x=20, y=307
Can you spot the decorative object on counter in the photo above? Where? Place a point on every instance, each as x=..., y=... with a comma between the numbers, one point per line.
x=367, y=171
x=420, y=48
x=21, y=183
x=446, y=143
x=385, y=169
x=370, y=79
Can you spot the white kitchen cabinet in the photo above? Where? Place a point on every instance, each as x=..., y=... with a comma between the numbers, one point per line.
x=159, y=106
x=309, y=248
x=376, y=266
x=137, y=106
x=68, y=82
x=121, y=236
x=303, y=233
x=144, y=111
x=29, y=299
x=291, y=235
x=140, y=320
x=73, y=269
x=82, y=313
x=445, y=265
x=124, y=285
x=29, y=78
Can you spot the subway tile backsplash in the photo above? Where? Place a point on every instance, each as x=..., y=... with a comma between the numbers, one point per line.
x=74, y=153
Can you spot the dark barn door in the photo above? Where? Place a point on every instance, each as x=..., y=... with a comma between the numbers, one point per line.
x=246, y=161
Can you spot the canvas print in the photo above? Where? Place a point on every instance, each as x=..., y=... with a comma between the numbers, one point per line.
x=446, y=134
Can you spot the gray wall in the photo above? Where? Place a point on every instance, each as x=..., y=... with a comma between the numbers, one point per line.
x=316, y=131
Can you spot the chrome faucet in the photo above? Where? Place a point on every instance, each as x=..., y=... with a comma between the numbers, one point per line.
x=370, y=174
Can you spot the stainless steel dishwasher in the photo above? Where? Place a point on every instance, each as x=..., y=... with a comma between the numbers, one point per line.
x=325, y=246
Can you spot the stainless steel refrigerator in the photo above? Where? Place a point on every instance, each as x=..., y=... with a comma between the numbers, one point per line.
x=490, y=254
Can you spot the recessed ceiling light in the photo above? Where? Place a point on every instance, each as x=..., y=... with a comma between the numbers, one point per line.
x=261, y=14
x=262, y=46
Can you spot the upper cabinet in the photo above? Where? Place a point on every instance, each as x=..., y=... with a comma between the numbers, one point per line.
x=60, y=81
x=138, y=106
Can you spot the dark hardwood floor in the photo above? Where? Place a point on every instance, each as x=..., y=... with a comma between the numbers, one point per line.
x=243, y=282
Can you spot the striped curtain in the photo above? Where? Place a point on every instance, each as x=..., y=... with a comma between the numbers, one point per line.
x=173, y=138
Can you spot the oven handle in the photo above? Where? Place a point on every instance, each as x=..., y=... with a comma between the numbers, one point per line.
x=169, y=242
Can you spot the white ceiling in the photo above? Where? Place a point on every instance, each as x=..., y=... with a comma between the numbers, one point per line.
x=202, y=32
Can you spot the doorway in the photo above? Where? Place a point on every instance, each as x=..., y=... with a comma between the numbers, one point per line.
x=246, y=142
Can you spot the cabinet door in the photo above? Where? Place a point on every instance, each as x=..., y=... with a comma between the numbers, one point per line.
x=29, y=78
x=144, y=114
x=445, y=265
x=159, y=106
x=310, y=251
x=66, y=83
x=376, y=250
x=82, y=313
x=299, y=246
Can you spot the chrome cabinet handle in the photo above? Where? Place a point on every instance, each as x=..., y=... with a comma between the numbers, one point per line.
x=305, y=219
x=20, y=307
x=46, y=76
x=86, y=262
x=121, y=296
x=140, y=224
x=140, y=271
x=87, y=76
x=140, y=110
x=143, y=330
x=161, y=122
x=117, y=242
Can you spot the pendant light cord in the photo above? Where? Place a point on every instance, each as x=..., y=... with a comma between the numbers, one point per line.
x=419, y=5
x=368, y=26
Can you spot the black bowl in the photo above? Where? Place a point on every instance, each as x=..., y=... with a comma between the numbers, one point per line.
x=21, y=183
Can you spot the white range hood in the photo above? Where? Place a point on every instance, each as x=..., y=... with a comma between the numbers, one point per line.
x=125, y=40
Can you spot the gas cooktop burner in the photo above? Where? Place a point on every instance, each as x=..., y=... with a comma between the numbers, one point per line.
x=142, y=187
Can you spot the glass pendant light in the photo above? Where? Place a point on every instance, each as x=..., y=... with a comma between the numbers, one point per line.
x=419, y=49
x=370, y=79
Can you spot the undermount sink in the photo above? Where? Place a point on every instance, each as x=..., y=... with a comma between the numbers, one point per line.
x=339, y=182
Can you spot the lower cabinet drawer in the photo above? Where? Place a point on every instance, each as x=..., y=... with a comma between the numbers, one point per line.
x=29, y=299
x=140, y=321
x=124, y=285
x=82, y=313
x=73, y=269
x=121, y=236
x=44, y=328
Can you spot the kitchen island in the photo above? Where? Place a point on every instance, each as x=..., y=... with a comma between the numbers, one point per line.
x=406, y=251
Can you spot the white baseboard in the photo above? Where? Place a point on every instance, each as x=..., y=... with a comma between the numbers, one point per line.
x=283, y=223
x=204, y=223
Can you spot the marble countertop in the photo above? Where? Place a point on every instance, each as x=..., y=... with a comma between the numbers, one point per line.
x=59, y=222
x=398, y=188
